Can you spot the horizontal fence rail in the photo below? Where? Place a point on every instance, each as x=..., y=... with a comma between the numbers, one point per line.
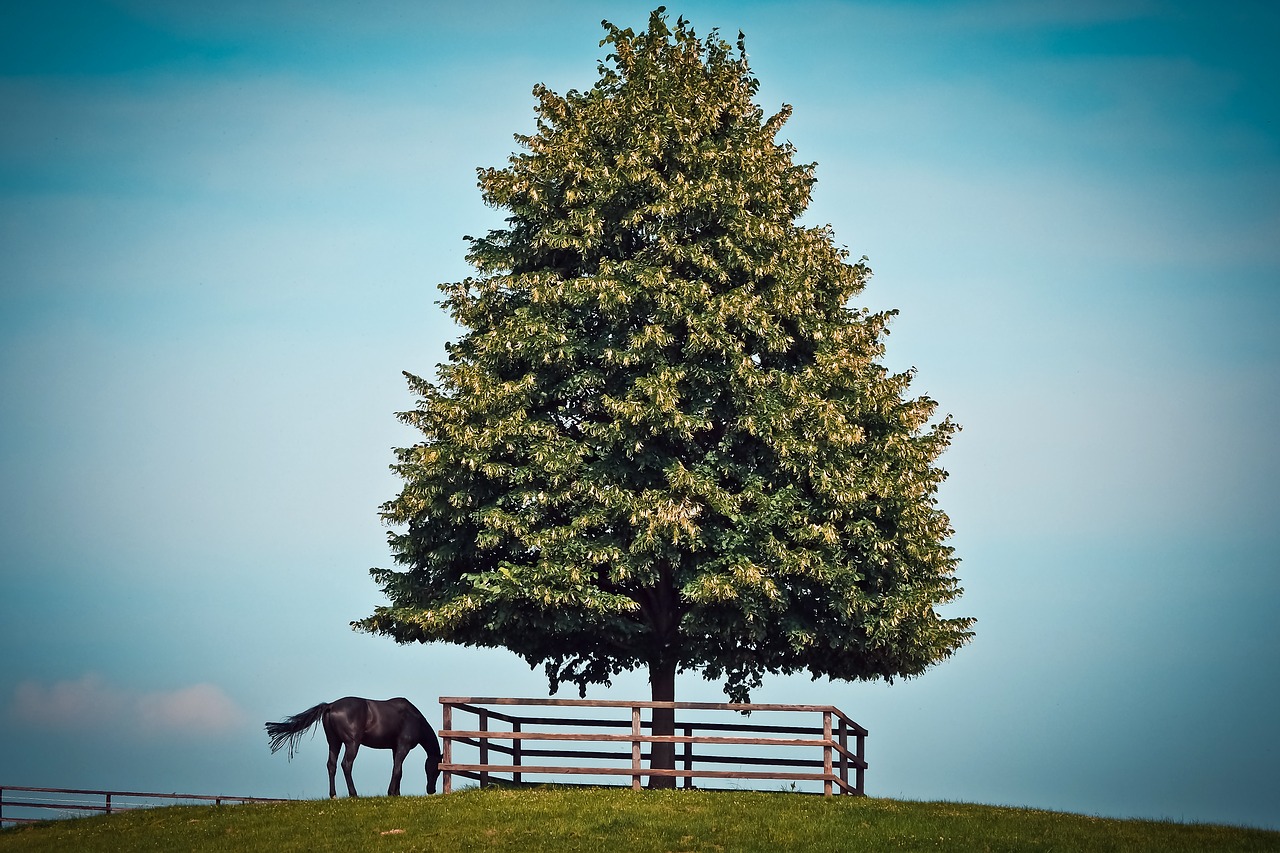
x=508, y=727
x=31, y=805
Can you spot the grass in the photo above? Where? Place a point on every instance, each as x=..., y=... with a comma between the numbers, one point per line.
x=564, y=820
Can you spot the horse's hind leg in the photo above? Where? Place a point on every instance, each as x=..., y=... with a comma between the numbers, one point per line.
x=349, y=758
x=335, y=743
x=333, y=768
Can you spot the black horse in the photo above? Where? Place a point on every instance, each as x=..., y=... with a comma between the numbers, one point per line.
x=380, y=724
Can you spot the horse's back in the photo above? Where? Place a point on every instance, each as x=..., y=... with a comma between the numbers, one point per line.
x=358, y=702
x=376, y=723
x=409, y=713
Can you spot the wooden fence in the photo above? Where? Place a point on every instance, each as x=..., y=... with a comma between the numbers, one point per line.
x=76, y=802
x=839, y=739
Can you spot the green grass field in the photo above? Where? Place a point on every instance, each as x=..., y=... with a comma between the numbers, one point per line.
x=563, y=819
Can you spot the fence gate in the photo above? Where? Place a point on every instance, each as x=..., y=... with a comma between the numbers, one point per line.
x=830, y=749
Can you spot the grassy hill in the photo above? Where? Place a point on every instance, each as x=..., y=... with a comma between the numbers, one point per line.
x=564, y=819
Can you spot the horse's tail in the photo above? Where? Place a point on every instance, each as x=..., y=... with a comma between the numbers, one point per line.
x=291, y=730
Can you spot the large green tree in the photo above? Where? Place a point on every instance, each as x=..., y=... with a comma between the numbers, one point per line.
x=664, y=439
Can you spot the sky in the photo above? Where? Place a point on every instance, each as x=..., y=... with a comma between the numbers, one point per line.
x=221, y=230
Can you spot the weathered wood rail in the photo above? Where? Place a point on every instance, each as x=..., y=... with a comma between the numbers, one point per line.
x=78, y=802
x=840, y=740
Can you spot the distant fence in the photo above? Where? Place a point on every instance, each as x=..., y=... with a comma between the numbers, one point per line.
x=835, y=747
x=29, y=805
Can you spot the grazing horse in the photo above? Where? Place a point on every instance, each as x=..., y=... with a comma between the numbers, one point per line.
x=353, y=722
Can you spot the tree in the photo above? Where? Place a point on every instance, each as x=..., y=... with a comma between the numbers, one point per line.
x=665, y=439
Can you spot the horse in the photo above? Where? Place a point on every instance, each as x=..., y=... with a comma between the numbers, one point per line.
x=353, y=722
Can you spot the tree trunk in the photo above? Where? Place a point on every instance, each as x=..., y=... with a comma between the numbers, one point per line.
x=662, y=680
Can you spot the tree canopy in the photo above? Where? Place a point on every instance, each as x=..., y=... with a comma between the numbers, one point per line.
x=665, y=438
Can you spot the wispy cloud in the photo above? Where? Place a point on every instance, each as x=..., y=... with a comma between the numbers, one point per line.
x=92, y=702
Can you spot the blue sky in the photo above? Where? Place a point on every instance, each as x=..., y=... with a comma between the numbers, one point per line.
x=220, y=236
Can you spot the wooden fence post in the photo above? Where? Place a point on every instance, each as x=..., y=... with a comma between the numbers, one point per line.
x=635, y=747
x=447, y=755
x=826, y=753
x=515, y=752
x=484, y=747
x=688, y=756
x=844, y=756
x=860, y=736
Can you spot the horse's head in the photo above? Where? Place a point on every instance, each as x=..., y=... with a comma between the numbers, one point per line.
x=432, y=746
x=433, y=771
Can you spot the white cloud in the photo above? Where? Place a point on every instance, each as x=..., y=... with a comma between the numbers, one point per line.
x=201, y=707
x=90, y=702
x=67, y=704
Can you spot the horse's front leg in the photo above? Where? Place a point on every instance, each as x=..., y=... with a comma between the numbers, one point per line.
x=397, y=770
x=348, y=759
